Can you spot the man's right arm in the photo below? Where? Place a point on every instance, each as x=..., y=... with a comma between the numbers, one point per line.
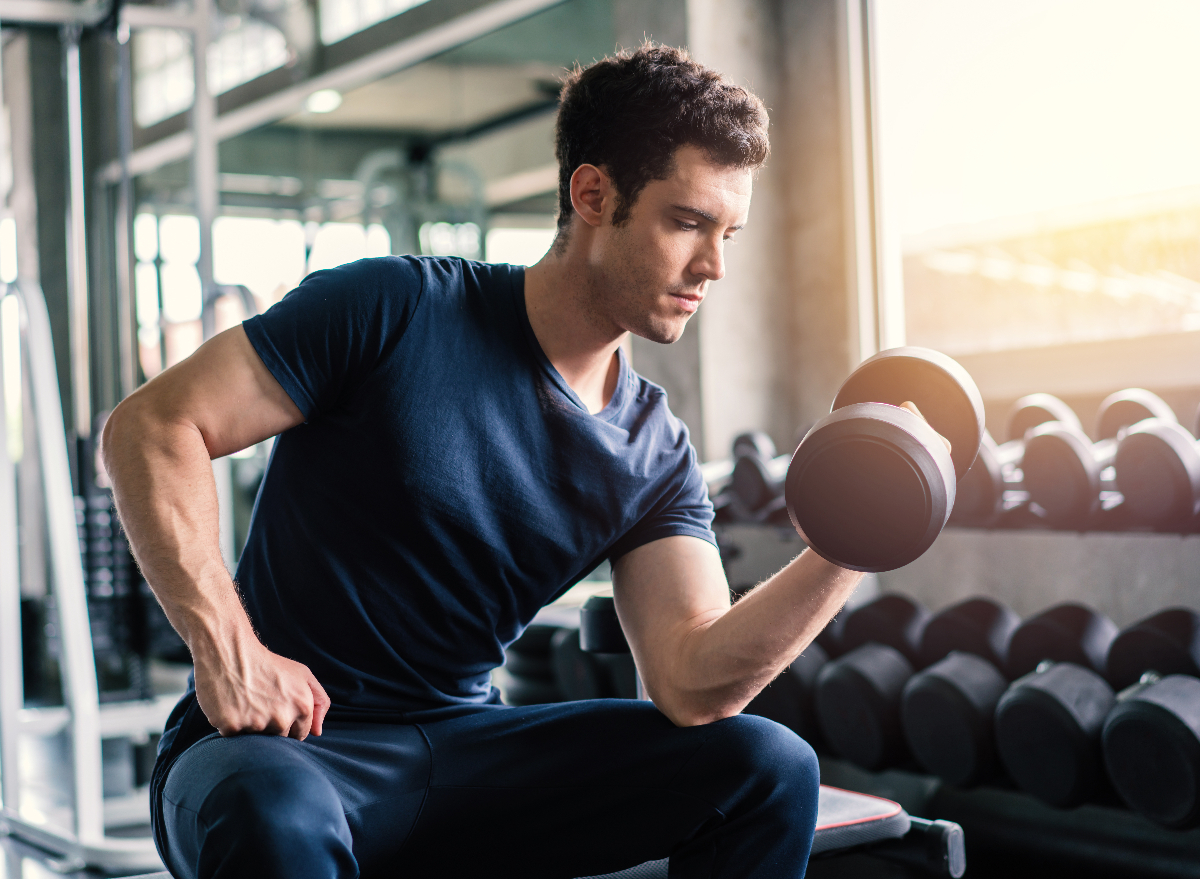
x=157, y=447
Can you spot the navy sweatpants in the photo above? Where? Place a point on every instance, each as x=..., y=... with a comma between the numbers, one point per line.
x=544, y=791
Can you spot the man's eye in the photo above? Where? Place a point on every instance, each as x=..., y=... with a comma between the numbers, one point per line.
x=688, y=227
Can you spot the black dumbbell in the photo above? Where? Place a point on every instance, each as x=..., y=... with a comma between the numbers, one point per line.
x=1166, y=643
x=579, y=674
x=752, y=487
x=1151, y=742
x=871, y=485
x=531, y=669
x=1048, y=726
x=754, y=442
x=993, y=486
x=1158, y=473
x=1067, y=475
x=1068, y=632
x=892, y=619
x=947, y=713
x=858, y=694
x=857, y=697
x=830, y=638
x=600, y=634
x=981, y=626
x=788, y=699
x=947, y=709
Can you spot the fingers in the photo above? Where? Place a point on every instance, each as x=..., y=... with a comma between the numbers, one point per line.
x=321, y=702
x=912, y=407
x=301, y=726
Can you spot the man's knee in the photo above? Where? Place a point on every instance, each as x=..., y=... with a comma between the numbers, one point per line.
x=768, y=758
x=259, y=808
x=274, y=800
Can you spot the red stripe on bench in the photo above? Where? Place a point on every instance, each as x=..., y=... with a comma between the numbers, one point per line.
x=879, y=817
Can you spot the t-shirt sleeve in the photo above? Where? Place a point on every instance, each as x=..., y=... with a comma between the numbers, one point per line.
x=324, y=338
x=683, y=508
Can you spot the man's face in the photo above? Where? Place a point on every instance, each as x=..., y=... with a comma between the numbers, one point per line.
x=653, y=270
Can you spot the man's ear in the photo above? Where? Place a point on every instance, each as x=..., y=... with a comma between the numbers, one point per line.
x=590, y=188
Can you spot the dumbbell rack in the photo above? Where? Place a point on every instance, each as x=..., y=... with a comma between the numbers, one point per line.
x=71, y=821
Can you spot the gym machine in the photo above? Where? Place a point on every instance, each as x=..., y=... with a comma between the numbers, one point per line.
x=60, y=806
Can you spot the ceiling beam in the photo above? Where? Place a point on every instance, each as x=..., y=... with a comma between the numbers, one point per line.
x=392, y=45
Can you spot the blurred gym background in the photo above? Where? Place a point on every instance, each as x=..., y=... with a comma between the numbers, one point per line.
x=1016, y=184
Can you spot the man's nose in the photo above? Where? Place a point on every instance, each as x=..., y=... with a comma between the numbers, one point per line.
x=710, y=261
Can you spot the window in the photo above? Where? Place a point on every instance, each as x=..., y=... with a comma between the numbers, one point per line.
x=164, y=80
x=517, y=245
x=341, y=18
x=1040, y=164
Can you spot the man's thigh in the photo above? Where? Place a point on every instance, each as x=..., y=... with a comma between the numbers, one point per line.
x=552, y=790
x=579, y=788
x=373, y=777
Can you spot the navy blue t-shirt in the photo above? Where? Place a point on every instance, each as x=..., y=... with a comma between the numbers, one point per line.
x=446, y=483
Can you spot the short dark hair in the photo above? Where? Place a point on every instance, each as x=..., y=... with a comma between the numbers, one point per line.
x=630, y=112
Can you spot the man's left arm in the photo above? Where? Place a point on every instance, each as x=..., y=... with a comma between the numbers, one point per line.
x=701, y=659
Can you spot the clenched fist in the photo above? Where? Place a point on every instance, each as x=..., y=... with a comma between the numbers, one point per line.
x=243, y=687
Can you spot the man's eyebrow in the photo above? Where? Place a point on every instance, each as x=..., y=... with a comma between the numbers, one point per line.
x=703, y=214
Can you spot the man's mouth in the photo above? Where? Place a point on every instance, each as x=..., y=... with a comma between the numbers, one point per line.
x=689, y=302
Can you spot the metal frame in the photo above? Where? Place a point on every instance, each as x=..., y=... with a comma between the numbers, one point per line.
x=82, y=717
x=385, y=48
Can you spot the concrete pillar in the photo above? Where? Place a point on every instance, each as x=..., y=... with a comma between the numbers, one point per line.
x=824, y=337
x=745, y=320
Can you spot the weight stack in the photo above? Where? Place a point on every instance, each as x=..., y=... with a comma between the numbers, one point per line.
x=110, y=578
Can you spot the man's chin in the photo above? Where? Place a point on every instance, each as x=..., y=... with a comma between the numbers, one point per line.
x=663, y=334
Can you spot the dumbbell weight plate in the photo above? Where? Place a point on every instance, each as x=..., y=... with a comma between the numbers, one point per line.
x=870, y=487
x=947, y=715
x=858, y=705
x=979, y=625
x=1048, y=732
x=1158, y=472
x=1062, y=474
x=1070, y=632
x=892, y=619
x=579, y=675
x=1152, y=751
x=979, y=492
x=1166, y=643
x=940, y=388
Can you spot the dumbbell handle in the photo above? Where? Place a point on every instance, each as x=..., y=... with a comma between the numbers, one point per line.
x=993, y=484
x=1008, y=456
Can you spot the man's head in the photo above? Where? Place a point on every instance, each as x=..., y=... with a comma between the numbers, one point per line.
x=656, y=156
x=629, y=113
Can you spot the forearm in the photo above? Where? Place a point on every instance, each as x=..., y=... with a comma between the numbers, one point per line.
x=724, y=658
x=166, y=497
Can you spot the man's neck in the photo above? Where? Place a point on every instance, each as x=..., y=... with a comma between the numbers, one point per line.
x=579, y=344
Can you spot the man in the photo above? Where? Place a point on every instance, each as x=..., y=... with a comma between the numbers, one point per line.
x=459, y=444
